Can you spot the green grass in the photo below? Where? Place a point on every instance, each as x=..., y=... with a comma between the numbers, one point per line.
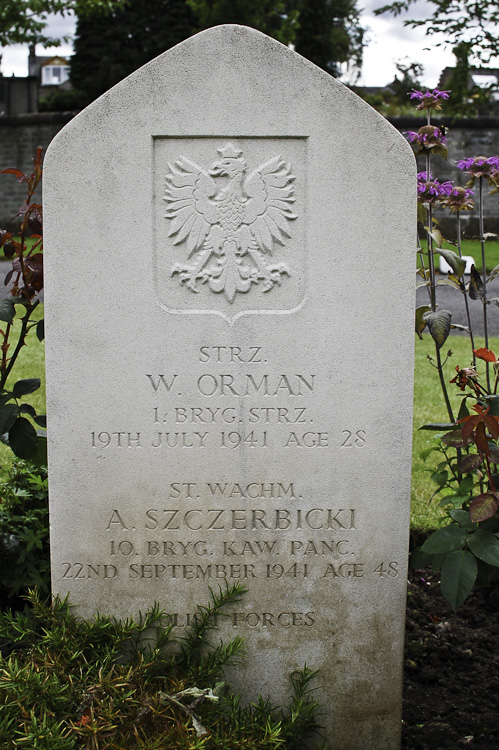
x=473, y=248
x=30, y=364
x=428, y=407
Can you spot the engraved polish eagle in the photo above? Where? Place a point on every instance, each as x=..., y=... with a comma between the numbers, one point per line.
x=229, y=225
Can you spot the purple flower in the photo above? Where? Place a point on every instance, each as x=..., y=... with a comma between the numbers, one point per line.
x=429, y=99
x=481, y=166
x=459, y=199
x=429, y=137
x=430, y=190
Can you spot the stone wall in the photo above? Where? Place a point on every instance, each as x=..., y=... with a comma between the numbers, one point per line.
x=21, y=135
x=466, y=137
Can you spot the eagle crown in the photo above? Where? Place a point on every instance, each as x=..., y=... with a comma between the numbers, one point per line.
x=229, y=166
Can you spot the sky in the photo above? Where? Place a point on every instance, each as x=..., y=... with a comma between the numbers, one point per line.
x=388, y=43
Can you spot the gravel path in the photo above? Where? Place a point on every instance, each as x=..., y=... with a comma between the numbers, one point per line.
x=453, y=301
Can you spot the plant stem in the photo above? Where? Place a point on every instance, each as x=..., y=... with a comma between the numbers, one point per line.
x=466, y=304
x=20, y=343
x=484, y=276
x=444, y=385
x=431, y=263
x=433, y=288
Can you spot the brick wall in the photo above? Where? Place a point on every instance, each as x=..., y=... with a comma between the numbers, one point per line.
x=473, y=137
x=21, y=135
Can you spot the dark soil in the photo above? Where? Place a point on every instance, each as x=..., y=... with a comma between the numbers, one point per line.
x=451, y=685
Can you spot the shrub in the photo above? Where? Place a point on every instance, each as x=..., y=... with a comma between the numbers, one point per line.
x=67, y=684
x=24, y=531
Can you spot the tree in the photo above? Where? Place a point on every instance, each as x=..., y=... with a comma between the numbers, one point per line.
x=471, y=21
x=108, y=47
x=407, y=80
x=329, y=34
x=24, y=21
x=277, y=18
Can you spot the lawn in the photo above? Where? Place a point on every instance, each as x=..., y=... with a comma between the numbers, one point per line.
x=429, y=407
x=473, y=248
x=30, y=364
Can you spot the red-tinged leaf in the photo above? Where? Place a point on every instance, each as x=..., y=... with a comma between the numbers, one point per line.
x=470, y=463
x=469, y=425
x=481, y=439
x=492, y=425
x=454, y=439
x=9, y=249
x=36, y=261
x=485, y=354
x=494, y=454
x=483, y=506
x=17, y=172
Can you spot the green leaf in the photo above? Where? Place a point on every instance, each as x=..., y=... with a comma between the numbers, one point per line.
x=5, y=396
x=40, y=330
x=23, y=438
x=454, y=499
x=436, y=236
x=483, y=506
x=462, y=517
x=485, y=546
x=457, y=264
x=420, y=322
x=27, y=409
x=438, y=426
x=23, y=387
x=437, y=561
x=463, y=410
x=466, y=485
x=458, y=576
x=8, y=415
x=40, y=457
x=7, y=310
x=493, y=404
x=440, y=478
x=446, y=539
x=475, y=288
x=438, y=323
x=419, y=559
x=428, y=451
x=450, y=282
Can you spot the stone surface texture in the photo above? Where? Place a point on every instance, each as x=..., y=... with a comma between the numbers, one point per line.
x=229, y=248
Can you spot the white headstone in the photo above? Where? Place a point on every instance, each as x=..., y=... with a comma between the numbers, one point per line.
x=229, y=365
